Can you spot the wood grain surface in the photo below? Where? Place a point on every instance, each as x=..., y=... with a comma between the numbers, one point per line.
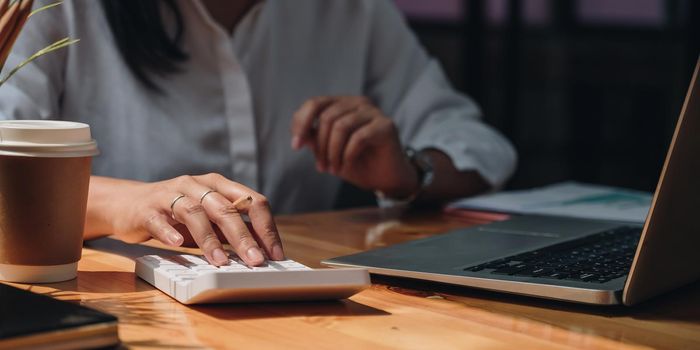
x=394, y=314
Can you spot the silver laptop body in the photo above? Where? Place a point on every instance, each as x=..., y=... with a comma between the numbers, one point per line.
x=667, y=254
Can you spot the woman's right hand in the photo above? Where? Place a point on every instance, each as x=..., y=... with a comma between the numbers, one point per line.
x=137, y=211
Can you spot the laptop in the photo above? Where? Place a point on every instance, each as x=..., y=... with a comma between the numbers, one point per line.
x=577, y=260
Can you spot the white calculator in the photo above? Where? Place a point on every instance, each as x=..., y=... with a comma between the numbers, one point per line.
x=190, y=279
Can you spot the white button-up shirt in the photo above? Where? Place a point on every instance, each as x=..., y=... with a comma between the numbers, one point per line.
x=229, y=109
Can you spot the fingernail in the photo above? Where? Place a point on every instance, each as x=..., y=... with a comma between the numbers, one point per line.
x=277, y=252
x=255, y=255
x=175, y=238
x=220, y=256
x=296, y=142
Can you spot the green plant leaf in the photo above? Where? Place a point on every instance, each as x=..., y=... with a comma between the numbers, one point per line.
x=44, y=8
x=53, y=47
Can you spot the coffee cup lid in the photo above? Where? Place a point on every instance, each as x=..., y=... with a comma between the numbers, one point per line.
x=46, y=138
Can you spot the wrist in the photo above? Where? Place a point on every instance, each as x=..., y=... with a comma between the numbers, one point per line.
x=104, y=201
x=419, y=175
x=406, y=185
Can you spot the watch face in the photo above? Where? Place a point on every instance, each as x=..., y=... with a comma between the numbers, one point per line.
x=425, y=166
x=428, y=178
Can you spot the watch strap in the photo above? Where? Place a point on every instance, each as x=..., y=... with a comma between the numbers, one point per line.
x=424, y=170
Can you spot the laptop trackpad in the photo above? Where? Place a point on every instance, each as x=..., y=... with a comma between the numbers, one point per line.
x=449, y=251
x=455, y=250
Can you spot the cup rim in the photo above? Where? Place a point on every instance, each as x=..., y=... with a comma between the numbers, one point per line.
x=34, y=138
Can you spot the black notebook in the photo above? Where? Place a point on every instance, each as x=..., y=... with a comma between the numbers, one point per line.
x=33, y=321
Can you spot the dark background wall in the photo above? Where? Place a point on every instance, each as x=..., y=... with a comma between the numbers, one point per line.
x=588, y=90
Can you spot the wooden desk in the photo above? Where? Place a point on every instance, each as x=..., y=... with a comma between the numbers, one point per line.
x=394, y=313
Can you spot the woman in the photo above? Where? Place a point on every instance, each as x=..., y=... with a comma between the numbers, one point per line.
x=284, y=98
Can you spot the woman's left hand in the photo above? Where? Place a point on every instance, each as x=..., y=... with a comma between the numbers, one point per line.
x=353, y=139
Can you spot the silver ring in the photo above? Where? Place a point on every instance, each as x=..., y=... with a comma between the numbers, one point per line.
x=172, y=204
x=201, y=198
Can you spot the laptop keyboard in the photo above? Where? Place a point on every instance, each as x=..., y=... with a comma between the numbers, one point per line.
x=597, y=258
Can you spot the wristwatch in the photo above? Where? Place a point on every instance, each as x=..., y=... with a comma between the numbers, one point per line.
x=423, y=164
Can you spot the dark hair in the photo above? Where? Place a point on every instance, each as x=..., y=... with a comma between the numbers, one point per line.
x=142, y=38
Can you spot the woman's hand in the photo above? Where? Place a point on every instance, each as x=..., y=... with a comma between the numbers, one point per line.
x=137, y=211
x=353, y=139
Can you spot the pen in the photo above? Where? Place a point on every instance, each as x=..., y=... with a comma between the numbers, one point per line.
x=241, y=204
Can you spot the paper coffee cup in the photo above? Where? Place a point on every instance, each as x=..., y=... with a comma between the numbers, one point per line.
x=44, y=179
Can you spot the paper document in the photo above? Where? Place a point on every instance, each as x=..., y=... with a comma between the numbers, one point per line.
x=570, y=199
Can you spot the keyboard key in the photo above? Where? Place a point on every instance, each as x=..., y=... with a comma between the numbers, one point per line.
x=597, y=258
x=557, y=275
x=542, y=272
x=475, y=268
x=188, y=279
x=504, y=271
x=193, y=259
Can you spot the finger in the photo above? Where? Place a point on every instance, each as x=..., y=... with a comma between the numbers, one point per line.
x=361, y=139
x=303, y=119
x=192, y=214
x=265, y=228
x=342, y=131
x=326, y=119
x=158, y=227
x=258, y=209
x=228, y=218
